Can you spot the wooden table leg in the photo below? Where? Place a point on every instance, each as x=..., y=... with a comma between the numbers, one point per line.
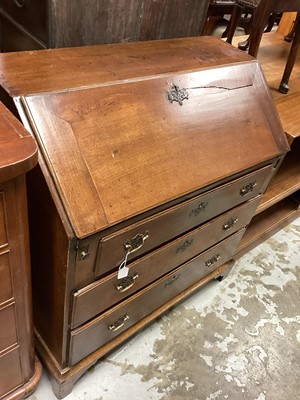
x=284, y=87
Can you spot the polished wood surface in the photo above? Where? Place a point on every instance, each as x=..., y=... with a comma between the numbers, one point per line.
x=131, y=158
x=60, y=69
x=18, y=372
x=97, y=332
x=174, y=221
x=115, y=153
x=18, y=152
x=286, y=182
x=272, y=55
x=159, y=262
x=276, y=209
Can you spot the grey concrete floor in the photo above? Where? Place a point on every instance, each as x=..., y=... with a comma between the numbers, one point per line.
x=238, y=339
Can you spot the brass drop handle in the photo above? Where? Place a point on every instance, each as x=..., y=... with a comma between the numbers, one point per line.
x=134, y=244
x=213, y=260
x=172, y=280
x=118, y=323
x=229, y=224
x=127, y=282
x=184, y=246
x=246, y=189
x=197, y=210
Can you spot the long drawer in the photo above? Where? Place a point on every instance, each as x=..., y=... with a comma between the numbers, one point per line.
x=94, y=334
x=98, y=296
x=146, y=235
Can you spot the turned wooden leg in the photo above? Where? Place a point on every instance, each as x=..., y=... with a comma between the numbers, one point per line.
x=290, y=36
x=261, y=16
x=235, y=16
x=284, y=87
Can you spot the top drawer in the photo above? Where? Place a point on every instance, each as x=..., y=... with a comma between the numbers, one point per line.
x=31, y=14
x=144, y=236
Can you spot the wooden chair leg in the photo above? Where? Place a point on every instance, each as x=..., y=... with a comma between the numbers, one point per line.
x=260, y=20
x=284, y=87
x=290, y=36
x=235, y=16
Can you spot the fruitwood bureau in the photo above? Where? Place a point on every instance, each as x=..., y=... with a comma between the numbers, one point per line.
x=19, y=372
x=155, y=154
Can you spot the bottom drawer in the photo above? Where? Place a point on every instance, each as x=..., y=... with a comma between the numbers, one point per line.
x=94, y=334
x=10, y=372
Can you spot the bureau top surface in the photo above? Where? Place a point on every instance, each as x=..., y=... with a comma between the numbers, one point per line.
x=117, y=149
x=122, y=144
x=56, y=69
x=18, y=149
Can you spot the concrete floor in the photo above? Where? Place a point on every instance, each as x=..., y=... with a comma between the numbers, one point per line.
x=238, y=339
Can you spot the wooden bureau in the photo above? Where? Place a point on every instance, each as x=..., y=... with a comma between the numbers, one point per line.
x=19, y=372
x=152, y=153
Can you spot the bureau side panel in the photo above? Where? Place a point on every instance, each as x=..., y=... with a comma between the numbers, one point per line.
x=50, y=260
x=15, y=273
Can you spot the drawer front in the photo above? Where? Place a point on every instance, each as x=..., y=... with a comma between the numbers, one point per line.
x=13, y=39
x=6, y=291
x=152, y=232
x=31, y=14
x=88, y=338
x=90, y=301
x=3, y=229
x=10, y=371
x=8, y=332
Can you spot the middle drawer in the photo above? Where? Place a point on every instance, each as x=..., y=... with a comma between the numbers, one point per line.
x=98, y=296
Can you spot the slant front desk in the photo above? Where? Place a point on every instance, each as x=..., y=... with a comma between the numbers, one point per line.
x=153, y=157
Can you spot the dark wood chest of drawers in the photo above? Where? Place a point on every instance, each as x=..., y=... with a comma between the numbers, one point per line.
x=38, y=24
x=19, y=374
x=151, y=154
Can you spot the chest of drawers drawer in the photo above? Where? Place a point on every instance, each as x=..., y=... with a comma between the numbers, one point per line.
x=160, y=162
x=96, y=333
x=152, y=232
x=150, y=267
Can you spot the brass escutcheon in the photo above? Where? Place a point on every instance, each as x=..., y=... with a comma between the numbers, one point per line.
x=177, y=94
